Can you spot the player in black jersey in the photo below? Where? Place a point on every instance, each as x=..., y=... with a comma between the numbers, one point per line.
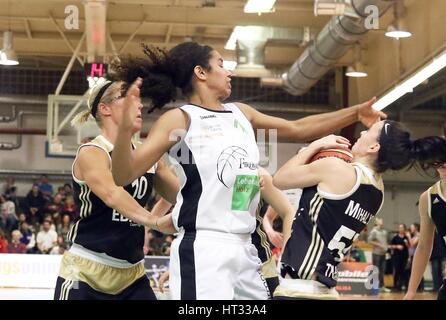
x=338, y=201
x=432, y=209
x=105, y=260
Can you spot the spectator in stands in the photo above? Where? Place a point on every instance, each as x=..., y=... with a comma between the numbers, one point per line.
x=64, y=227
x=69, y=207
x=3, y=242
x=10, y=189
x=378, y=238
x=15, y=246
x=413, y=234
x=400, y=257
x=45, y=187
x=47, y=238
x=165, y=248
x=55, y=207
x=34, y=205
x=8, y=217
x=68, y=189
x=438, y=261
x=28, y=237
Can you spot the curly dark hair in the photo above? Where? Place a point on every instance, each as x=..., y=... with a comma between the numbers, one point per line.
x=398, y=151
x=163, y=72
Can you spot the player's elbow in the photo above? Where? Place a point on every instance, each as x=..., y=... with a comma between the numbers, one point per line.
x=120, y=178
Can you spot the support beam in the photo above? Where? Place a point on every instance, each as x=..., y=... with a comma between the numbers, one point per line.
x=168, y=34
x=69, y=66
x=65, y=37
x=112, y=44
x=28, y=29
x=132, y=35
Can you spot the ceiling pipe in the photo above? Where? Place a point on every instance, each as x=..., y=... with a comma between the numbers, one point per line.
x=331, y=44
x=18, y=143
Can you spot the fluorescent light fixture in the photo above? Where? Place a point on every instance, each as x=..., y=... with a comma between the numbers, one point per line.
x=427, y=71
x=356, y=72
x=259, y=6
x=397, y=33
x=229, y=65
x=8, y=56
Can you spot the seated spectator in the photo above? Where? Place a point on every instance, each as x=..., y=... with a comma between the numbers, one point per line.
x=54, y=207
x=10, y=189
x=68, y=189
x=69, y=207
x=45, y=187
x=8, y=217
x=61, y=246
x=165, y=248
x=64, y=227
x=47, y=238
x=15, y=246
x=34, y=205
x=28, y=237
x=3, y=242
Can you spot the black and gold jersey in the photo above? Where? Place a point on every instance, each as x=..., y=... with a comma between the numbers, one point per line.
x=437, y=208
x=326, y=225
x=102, y=229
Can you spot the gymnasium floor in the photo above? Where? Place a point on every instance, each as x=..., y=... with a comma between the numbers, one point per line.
x=47, y=294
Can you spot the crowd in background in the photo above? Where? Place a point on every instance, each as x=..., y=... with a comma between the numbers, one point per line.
x=39, y=223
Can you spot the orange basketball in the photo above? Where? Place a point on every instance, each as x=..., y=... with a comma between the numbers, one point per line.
x=345, y=155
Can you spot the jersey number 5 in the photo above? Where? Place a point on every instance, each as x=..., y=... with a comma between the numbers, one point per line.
x=340, y=240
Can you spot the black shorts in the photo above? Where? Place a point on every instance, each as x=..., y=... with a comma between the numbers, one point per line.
x=78, y=290
x=442, y=291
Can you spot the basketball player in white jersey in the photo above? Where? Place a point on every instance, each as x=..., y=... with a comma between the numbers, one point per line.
x=338, y=201
x=215, y=147
x=105, y=260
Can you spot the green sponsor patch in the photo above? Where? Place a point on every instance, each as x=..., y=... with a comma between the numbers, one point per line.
x=245, y=189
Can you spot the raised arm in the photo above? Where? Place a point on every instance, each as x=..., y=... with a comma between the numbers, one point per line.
x=297, y=173
x=129, y=164
x=424, y=248
x=316, y=126
x=92, y=166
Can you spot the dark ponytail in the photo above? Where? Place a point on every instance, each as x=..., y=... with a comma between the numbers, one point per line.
x=155, y=71
x=397, y=151
x=163, y=72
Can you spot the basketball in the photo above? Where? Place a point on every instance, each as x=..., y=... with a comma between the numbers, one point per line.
x=345, y=155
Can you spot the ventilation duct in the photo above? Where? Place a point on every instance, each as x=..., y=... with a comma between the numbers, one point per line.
x=335, y=39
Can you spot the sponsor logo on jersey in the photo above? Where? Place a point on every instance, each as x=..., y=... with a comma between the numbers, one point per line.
x=331, y=271
x=230, y=159
x=436, y=201
x=208, y=116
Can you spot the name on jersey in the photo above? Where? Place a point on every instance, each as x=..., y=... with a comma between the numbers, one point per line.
x=355, y=211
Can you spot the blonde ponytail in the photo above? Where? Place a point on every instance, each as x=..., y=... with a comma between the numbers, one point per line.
x=80, y=118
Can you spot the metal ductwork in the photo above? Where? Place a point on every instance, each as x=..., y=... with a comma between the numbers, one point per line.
x=95, y=28
x=331, y=44
x=251, y=44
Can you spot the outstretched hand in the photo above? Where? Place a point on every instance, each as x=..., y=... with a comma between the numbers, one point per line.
x=132, y=102
x=367, y=115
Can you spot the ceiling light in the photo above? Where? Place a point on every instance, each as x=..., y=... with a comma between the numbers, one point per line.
x=259, y=6
x=8, y=56
x=357, y=71
x=427, y=71
x=397, y=32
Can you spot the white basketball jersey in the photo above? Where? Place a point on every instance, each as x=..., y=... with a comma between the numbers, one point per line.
x=216, y=163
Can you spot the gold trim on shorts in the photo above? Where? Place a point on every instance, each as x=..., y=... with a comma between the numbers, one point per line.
x=100, y=277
